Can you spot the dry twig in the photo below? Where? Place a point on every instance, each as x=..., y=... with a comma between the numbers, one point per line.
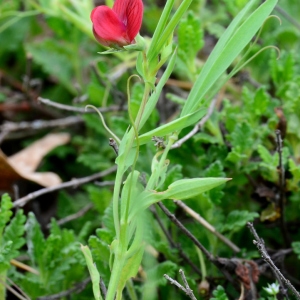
x=74, y=290
x=75, y=216
x=226, y=266
x=282, y=199
x=198, y=126
x=73, y=183
x=172, y=243
x=207, y=225
x=185, y=289
x=103, y=288
x=259, y=243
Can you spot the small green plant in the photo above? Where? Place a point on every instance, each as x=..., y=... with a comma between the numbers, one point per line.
x=272, y=290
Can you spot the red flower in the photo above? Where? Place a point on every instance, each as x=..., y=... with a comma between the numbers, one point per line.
x=117, y=26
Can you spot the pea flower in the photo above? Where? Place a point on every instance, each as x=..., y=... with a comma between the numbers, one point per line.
x=118, y=26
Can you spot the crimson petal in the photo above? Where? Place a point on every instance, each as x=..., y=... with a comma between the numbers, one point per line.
x=107, y=26
x=130, y=12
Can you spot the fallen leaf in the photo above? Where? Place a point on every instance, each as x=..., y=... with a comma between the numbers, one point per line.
x=24, y=163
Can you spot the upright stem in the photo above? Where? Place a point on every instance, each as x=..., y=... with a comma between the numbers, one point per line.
x=119, y=259
x=2, y=285
x=115, y=276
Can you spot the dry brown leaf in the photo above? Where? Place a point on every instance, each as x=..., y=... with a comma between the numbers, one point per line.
x=24, y=163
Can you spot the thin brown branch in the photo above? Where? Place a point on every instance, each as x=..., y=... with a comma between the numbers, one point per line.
x=226, y=266
x=189, y=292
x=103, y=288
x=76, y=289
x=173, y=244
x=198, y=126
x=80, y=109
x=75, y=216
x=173, y=281
x=282, y=198
x=185, y=289
x=259, y=243
x=16, y=293
x=73, y=183
x=207, y=225
x=17, y=288
x=23, y=266
x=172, y=217
x=11, y=130
x=41, y=124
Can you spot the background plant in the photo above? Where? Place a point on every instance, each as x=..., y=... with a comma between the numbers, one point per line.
x=243, y=150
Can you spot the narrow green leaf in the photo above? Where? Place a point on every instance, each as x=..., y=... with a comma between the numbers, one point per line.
x=175, y=125
x=233, y=41
x=165, y=35
x=130, y=269
x=161, y=25
x=95, y=276
x=157, y=92
x=188, y=188
x=179, y=190
x=35, y=240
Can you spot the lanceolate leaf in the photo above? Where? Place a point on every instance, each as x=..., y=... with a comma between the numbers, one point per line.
x=130, y=269
x=179, y=190
x=175, y=125
x=95, y=276
x=234, y=40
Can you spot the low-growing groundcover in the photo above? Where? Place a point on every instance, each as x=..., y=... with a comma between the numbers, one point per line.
x=179, y=158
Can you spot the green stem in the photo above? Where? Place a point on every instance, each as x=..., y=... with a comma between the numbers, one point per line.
x=120, y=257
x=154, y=51
x=131, y=291
x=2, y=285
x=121, y=168
x=202, y=263
x=115, y=275
x=117, y=189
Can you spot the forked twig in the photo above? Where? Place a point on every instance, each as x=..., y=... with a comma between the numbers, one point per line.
x=185, y=288
x=259, y=243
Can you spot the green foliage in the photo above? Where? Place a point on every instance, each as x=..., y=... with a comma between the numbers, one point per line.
x=219, y=294
x=57, y=258
x=237, y=141
x=14, y=233
x=296, y=248
x=54, y=58
x=241, y=140
x=5, y=212
x=93, y=272
x=187, y=47
x=156, y=273
x=237, y=219
x=11, y=234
